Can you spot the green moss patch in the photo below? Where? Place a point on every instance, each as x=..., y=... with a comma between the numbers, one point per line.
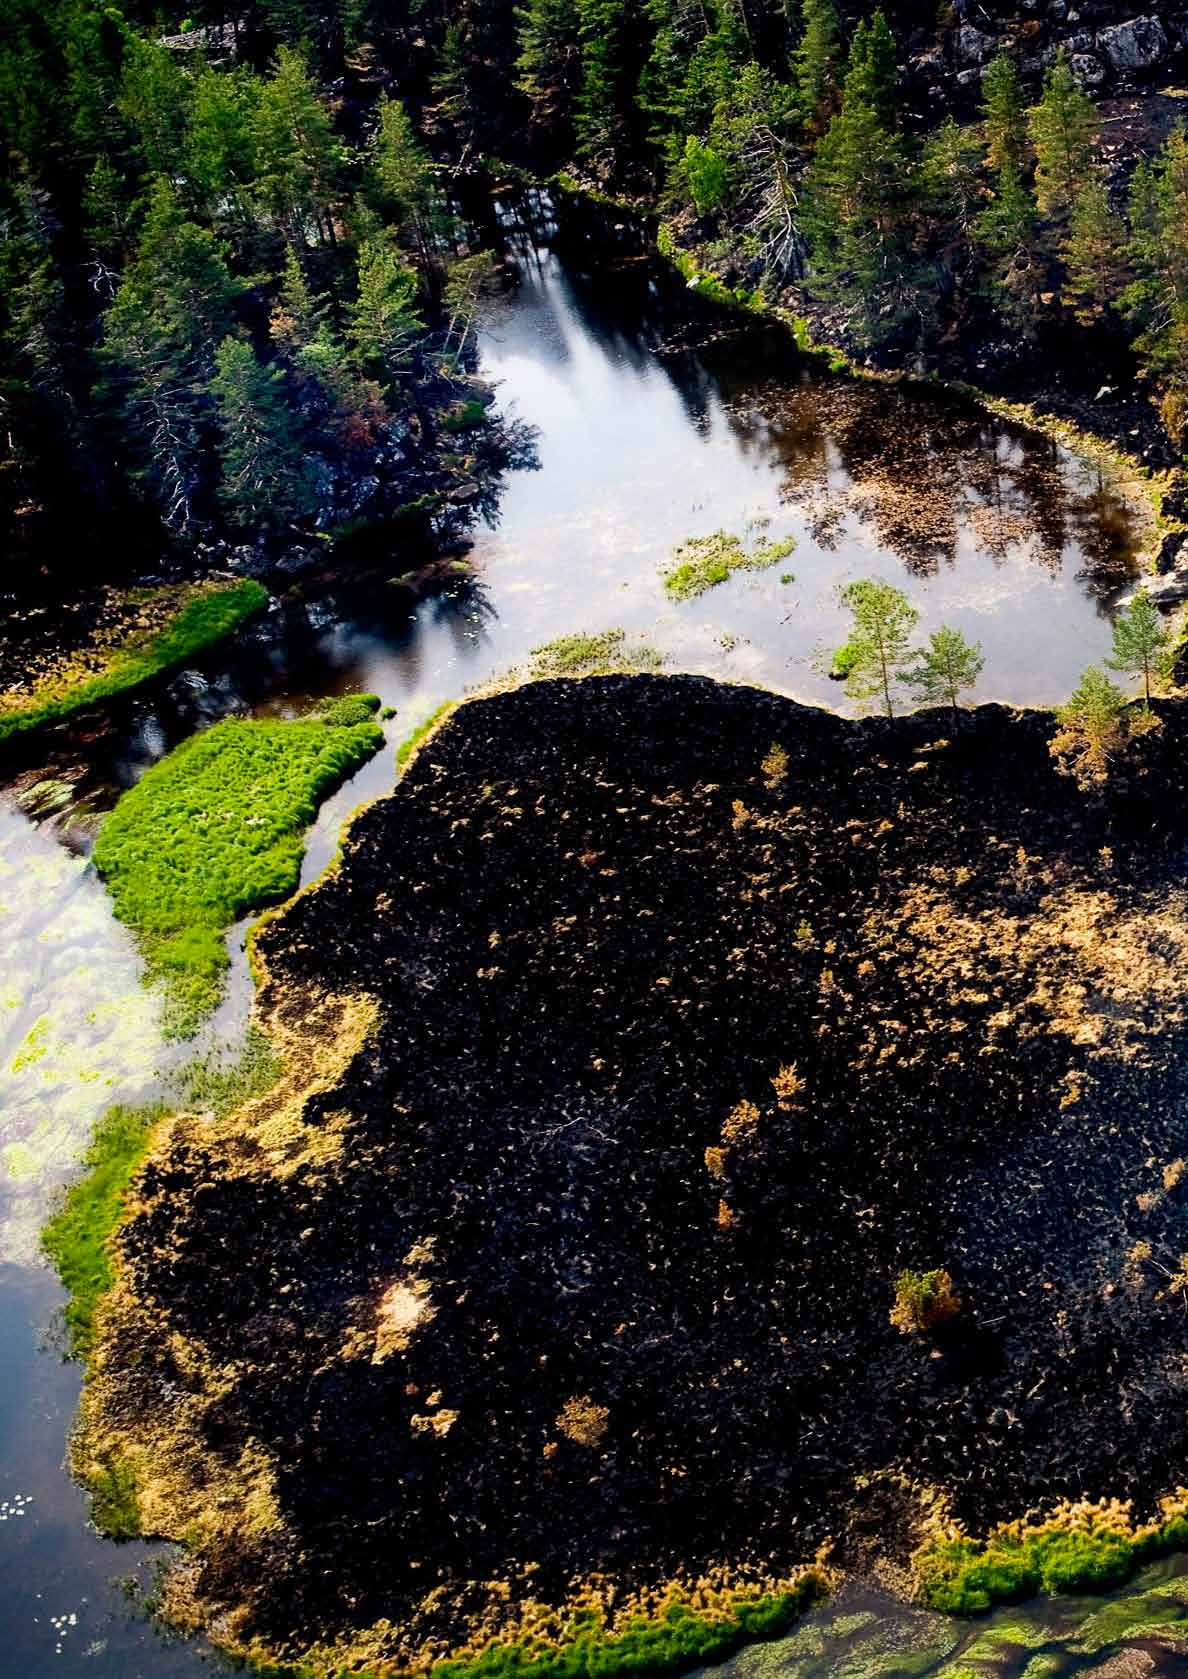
x=77, y=1238
x=209, y=614
x=213, y=831
x=705, y=561
x=410, y=743
x=676, y=1638
x=1080, y=1547
x=584, y=653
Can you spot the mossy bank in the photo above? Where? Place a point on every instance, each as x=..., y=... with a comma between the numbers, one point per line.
x=644, y=1038
x=215, y=830
x=141, y=636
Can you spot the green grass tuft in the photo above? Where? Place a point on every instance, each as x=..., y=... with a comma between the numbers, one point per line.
x=349, y=710
x=584, y=653
x=409, y=744
x=213, y=831
x=77, y=1238
x=704, y=561
x=206, y=618
x=115, y=1506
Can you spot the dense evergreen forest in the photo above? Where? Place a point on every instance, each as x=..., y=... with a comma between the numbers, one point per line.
x=237, y=292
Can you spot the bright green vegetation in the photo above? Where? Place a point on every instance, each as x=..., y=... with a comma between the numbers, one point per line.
x=923, y=1299
x=705, y=561
x=582, y=654
x=675, y=1640
x=206, y=618
x=77, y=1237
x=220, y=1083
x=1142, y=643
x=408, y=746
x=349, y=710
x=1096, y=726
x=115, y=1507
x=1081, y=1547
x=213, y=831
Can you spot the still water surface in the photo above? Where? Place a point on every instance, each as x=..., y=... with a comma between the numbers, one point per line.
x=656, y=424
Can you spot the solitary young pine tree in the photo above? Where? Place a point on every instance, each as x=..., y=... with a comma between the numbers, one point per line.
x=1142, y=643
x=948, y=665
x=1092, y=730
x=878, y=653
x=1064, y=129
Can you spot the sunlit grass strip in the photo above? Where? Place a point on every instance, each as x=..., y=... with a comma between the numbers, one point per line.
x=213, y=831
x=676, y=1637
x=411, y=743
x=1080, y=1547
x=208, y=616
x=77, y=1238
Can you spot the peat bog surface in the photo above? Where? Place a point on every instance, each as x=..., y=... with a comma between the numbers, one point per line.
x=693, y=1017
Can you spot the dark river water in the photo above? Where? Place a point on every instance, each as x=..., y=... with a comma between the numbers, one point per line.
x=658, y=421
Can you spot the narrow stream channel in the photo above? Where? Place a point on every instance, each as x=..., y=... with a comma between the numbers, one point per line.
x=658, y=422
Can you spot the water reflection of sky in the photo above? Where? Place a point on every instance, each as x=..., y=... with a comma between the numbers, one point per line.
x=645, y=441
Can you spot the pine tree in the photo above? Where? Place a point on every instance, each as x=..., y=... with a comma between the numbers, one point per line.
x=747, y=158
x=948, y=665
x=263, y=477
x=1008, y=233
x=871, y=74
x=1004, y=119
x=550, y=59
x=1093, y=730
x=951, y=180
x=154, y=100
x=1064, y=129
x=219, y=156
x=1142, y=643
x=402, y=166
x=383, y=320
x=856, y=203
x=174, y=301
x=598, y=117
x=297, y=156
x=878, y=653
x=707, y=175
x=298, y=317
x=1093, y=255
x=814, y=65
x=107, y=215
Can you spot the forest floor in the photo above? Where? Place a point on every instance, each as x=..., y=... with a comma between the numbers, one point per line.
x=638, y=1042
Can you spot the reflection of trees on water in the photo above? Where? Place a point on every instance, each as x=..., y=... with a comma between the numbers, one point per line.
x=923, y=475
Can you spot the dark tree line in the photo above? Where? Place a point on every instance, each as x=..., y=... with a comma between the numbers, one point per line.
x=229, y=264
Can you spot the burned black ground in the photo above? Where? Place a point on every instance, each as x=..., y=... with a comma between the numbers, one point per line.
x=596, y=917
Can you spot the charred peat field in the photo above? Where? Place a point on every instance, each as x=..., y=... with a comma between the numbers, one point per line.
x=714, y=1136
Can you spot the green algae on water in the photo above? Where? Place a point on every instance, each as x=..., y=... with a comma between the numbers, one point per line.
x=213, y=831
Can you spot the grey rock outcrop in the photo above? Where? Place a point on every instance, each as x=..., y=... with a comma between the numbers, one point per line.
x=1137, y=45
